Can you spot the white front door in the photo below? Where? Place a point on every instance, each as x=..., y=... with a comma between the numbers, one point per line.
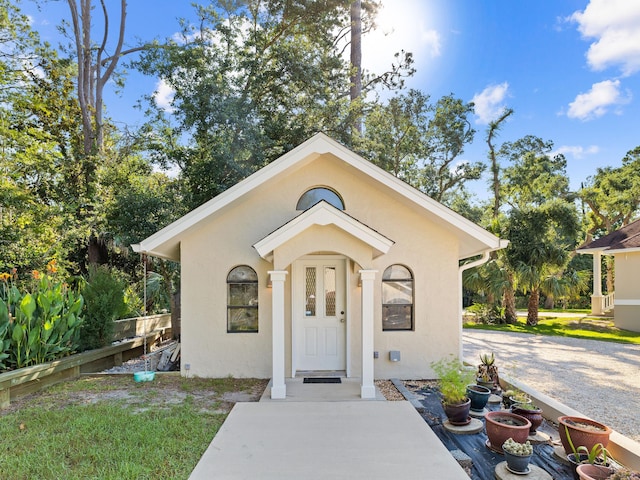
x=319, y=314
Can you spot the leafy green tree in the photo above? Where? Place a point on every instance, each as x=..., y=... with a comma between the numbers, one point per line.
x=448, y=133
x=541, y=224
x=252, y=81
x=421, y=143
x=613, y=198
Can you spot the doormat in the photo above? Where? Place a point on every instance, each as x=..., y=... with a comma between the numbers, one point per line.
x=322, y=380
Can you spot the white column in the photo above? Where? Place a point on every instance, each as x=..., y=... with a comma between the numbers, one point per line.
x=596, y=298
x=278, y=387
x=367, y=389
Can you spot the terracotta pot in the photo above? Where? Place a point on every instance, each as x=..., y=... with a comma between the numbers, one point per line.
x=586, y=471
x=458, y=414
x=498, y=431
x=479, y=397
x=534, y=416
x=581, y=435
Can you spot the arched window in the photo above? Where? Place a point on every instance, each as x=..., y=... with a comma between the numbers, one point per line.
x=397, y=298
x=242, y=300
x=314, y=195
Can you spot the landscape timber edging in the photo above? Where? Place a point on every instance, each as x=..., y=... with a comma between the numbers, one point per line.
x=23, y=381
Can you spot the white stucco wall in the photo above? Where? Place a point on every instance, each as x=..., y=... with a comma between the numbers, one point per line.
x=627, y=288
x=211, y=251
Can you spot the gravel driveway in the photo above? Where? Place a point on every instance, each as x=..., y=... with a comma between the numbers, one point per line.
x=599, y=379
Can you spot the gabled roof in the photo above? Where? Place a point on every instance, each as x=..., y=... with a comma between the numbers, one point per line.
x=474, y=240
x=322, y=213
x=627, y=239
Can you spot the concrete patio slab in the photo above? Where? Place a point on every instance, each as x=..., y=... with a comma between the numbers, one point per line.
x=298, y=391
x=328, y=439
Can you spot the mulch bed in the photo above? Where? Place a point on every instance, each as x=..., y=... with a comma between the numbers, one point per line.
x=484, y=460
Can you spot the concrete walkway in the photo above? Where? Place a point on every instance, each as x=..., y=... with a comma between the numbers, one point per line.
x=323, y=431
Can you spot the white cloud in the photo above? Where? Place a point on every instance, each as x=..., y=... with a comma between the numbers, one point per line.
x=597, y=101
x=615, y=26
x=163, y=96
x=400, y=26
x=489, y=103
x=576, y=151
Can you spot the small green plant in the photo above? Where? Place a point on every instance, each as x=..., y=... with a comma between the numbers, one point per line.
x=624, y=474
x=488, y=370
x=526, y=406
x=454, y=379
x=516, y=448
x=487, y=359
x=597, y=454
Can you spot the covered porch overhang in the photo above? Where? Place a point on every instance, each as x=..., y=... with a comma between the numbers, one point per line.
x=322, y=228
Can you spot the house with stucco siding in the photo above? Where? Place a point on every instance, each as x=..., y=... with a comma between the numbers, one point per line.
x=320, y=262
x=624, y=302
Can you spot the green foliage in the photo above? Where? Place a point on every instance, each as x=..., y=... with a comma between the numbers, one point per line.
x=420, y=143
x=485, y=313
x=104, y=298
x=566, y=327
x=38, y=326
x=454, y=379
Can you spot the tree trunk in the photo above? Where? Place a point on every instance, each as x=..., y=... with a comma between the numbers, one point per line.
x=494, y=127
x=509, y=303
x=532, y=309
x=549, y=302
x=356, y=62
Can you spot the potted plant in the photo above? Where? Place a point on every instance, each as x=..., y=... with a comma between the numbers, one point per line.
x=582, y=432
x=587, y=471
x=531, y=412
x=502, y=425
x=487, y=375
x=581, y=455
x=517, y=455
x=453, y=389
x=624, y=474
x=511, y=396
x=479, y=397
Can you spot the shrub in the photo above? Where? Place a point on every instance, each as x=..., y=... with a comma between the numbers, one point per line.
x=104, y=302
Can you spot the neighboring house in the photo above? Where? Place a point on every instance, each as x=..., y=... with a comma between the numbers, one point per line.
x=320, y=261
x=624, y=245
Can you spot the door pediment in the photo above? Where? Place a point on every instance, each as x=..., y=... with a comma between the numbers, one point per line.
x=323, y=228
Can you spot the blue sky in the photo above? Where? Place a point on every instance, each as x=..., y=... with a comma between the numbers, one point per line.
x=569, y=68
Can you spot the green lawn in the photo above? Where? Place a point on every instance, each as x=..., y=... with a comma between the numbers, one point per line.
x=579, y=327
x=112, y=428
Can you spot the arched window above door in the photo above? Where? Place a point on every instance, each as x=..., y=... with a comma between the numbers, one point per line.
x=314, y=195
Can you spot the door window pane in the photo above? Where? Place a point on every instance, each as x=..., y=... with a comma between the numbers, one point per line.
x=330, y=291
x=310, y=291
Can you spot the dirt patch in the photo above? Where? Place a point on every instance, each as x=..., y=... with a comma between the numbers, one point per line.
x=166, y=390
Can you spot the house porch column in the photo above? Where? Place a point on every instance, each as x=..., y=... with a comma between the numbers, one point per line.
x=278, y=387
x=596, y=298
x=367, y=389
